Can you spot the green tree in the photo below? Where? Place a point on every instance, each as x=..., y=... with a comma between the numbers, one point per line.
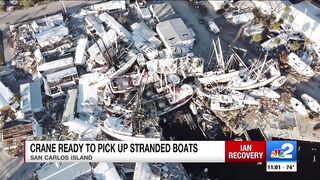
x=275, y=26
x=257, y=38
x=276, y=41
x=295, y=46
x=306, y=42
x=290, y=18
x=286, y=9
x=26, y=3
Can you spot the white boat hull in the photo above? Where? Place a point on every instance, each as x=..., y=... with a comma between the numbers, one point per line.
x=298, y=106
x=218, y=78
x=254, y=85
x=312, y=104
x=124, y=137
x=265, y=92
x=278, y=82
x=298, y=65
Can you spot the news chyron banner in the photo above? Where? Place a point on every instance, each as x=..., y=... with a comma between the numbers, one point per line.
x=279, y=156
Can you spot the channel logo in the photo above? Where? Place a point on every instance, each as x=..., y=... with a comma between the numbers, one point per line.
x=281, y=151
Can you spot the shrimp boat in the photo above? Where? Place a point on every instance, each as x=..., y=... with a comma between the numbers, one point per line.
x=125, y=61
x=311, y=103
x=135, y=126
x=124, y=129
x=237, y=96
x=173, y=98
x=298, y=106
x=298, y=65
x=125, y=83
x=166, y=82
x=260, y=74
x=265, y=92
x=221, y=74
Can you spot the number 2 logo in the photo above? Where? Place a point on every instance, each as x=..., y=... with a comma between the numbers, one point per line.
x=288, y=148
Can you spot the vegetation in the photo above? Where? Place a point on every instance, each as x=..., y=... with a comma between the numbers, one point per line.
x=275, y=26
x=26, y=3
x=276, y=41
x=123, y=19
x=16, y=98
x=306, y=42
x=295, y=46
x=286, y=9
x=290, y=18
x=257, y=38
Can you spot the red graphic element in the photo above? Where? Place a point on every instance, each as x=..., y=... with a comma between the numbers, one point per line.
x=24, y=151
x=245, y=151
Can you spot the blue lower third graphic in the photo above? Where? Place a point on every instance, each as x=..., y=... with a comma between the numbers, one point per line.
x=281, y=156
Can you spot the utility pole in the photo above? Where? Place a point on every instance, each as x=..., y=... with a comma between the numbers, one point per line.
x=64, y=7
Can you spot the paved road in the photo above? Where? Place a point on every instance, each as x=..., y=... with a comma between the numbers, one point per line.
x=41, y=10
x=228, y=32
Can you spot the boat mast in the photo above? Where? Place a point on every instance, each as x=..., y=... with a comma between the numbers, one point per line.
x=220, y=54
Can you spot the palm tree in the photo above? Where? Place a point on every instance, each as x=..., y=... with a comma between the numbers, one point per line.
x=257, y=38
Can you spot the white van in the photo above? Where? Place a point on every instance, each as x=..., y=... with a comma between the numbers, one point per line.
x=213, y=27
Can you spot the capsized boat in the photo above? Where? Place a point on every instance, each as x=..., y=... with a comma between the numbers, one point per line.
x=225, y=103
x=298, y=106
x=238, y=96
x=311, y=103
x=244, y=98
x=265, y=92
x=124, y=83
x=278, y=82
x=298, y=65
x=123, y=129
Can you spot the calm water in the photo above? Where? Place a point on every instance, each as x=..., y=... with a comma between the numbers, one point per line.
x=306, y=168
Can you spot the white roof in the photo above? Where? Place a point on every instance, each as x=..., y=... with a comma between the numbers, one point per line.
x=306, y=20
x=47, y=22
x=86, y=92
x=112, y=23
x=109, y=37
x=174, y=31
x=242, y=18
x=93, y=21
x=70, y=105
x=106, y=171
x=52, y=35
x=145, y=13
x=79, y=55
x=93, y=50
x=61, y=74
x=163, y=11
x=31, y=99
x=110, y=5
x=141, y=29
x=270, y=44
x=217, y=4
x=82, y=128
x=5, y=95
x=56, y=65
x=54, y=171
